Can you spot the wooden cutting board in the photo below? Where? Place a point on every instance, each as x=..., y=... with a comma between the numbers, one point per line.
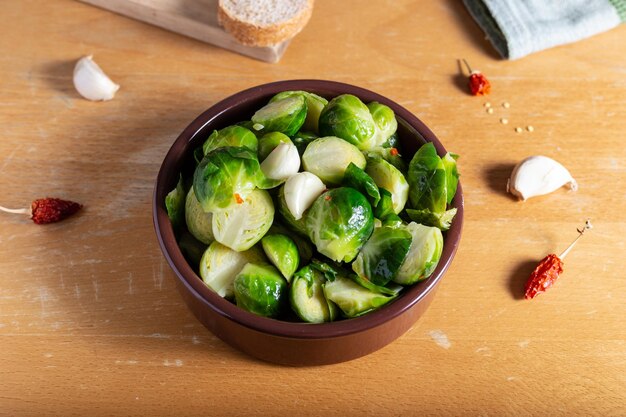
x=194, y=18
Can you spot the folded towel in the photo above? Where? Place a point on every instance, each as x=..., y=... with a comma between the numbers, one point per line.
x=520, y=27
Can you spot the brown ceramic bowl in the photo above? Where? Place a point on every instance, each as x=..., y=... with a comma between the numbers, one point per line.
x=280, y=341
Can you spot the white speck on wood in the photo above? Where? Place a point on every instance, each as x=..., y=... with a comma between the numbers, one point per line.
x=76, y=291
x=96, y=289
x=47, y=355
x=176, y=362
x=485, y=351
x=524, y=344
x=130, y=283
x=511, y=378
x=195, y=340
x=440, y=338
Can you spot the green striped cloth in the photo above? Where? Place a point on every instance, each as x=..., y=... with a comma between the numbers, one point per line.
x=517, y=28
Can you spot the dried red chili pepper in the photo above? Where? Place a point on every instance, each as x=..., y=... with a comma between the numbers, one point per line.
x=238, y=199
x=549, y=269
x=478, y=84
x=47, y=210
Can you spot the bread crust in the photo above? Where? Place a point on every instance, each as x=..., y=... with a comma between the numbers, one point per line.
x=253, y=35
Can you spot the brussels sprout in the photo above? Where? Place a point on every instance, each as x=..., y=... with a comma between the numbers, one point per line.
x=261, y=290
x=452, y=175
x=391, y=179
x=269, y=141
x=381, y=256
x=356, y=178
x=423, y=256
x=295, y=225
x=220, y=265
x=237, y=136
x=353, y=299
x=384, y=210
x=302, y=140
x=240, y=226
x=285, y=115
x=385, y=120
x=175, y=205
x=307, y=297
x=300, y=191
x=339, y=222
x=282, y=252
x=199, y=222
x=392, y=141
x=328, y=158
x=305, y=248
x=441, y=220
x=314, y=103
x=391, y=155
x=282, y=162
x=191, y=248
x=346, y=116
x=224, y=176
x=427, y=180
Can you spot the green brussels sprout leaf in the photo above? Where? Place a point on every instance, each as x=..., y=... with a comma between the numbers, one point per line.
x=237, y=136
x=427, y=180
x=389, y=289
x=385, y=120
x=381, y=256
x=307, y=297
x=314, y=103
x=391, y=179
x=199, y=223
x=260, y=289
x=175, y=205
x=356, y=178
x=452, y=175
x=428, y=218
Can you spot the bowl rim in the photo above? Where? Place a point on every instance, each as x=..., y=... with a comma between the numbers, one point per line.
x=194, y=284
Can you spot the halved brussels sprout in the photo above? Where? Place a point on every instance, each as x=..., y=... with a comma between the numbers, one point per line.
x=381, y=256
x=314, y=103
x=285, y=115
x=260, y=289
x=353, y=299
x=424, y=253
x=339, y=222
x=391, y=179
x=220, y=265
x=199, y=222
x=302, y=140
x=282, y=252
x=385, y=120
x=356, y=178
x=328, y=158
x=269, y=142
x=346, y=117
x=235, y=135
x=300, y=191
x=307, y=297
x=389, y=289
x=175, y=205
x=427, y=180
x=282, y=162
x=242, y=225
x=225, y=176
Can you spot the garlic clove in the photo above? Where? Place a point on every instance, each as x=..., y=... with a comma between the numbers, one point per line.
x=301, y=190
x=539, y=175
x=282, y=162
x=91, y=82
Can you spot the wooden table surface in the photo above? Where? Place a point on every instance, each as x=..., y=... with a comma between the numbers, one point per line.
x=90, y=319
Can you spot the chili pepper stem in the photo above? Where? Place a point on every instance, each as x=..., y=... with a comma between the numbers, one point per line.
x=581, y=232
x=468, y=66
x=16, y=211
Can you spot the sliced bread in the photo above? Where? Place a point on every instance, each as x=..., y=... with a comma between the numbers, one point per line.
x=264, y=22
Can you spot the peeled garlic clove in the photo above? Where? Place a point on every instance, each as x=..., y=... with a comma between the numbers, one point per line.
x=301, y=190
x=282, y=162
x=91, y=82
x=539, y=175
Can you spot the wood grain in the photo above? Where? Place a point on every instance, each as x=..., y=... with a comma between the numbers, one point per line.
x=91, y=323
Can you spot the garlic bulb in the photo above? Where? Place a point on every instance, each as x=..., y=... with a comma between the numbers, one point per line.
x=91, y=82
x=301, y=190
x=539, y=175
x=282, y=162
